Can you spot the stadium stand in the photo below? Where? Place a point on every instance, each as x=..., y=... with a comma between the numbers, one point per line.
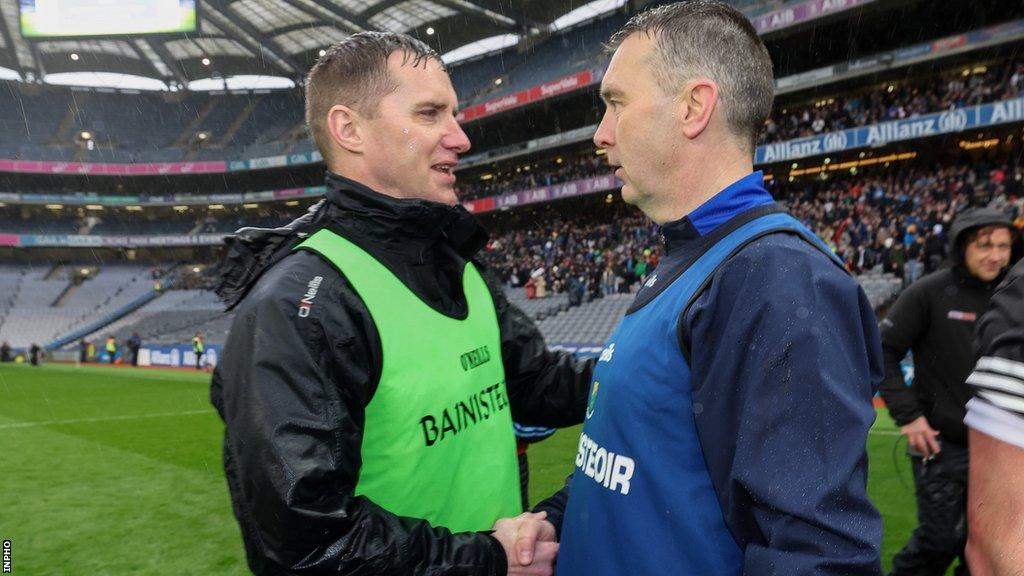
x=949, y=90
x=547, y=63
x=86, y=253
x=44, y=123
x=15, y=225
x=146, y=127
x=115, y=225
x=854, y=214
x=162, y=127
x=589, y=324
x=848, y=211
x=570, y=244
x=538, y=308
x=171, y=318
x=49, y=302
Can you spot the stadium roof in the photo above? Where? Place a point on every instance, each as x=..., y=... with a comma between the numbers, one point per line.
x=280, y=38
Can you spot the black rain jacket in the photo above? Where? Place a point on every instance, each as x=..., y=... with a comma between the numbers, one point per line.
x=935, y=319
x=292, y=390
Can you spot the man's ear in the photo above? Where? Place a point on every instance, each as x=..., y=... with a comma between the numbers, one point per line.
x=345, y=127
x=697, y=103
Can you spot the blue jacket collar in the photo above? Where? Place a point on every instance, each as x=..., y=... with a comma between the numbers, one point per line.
x=740, y=196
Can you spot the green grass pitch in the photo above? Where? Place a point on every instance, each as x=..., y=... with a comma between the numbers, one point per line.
x=117, y=471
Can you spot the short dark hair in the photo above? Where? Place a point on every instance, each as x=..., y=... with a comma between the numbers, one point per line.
x=710, y=38
x=354, y=73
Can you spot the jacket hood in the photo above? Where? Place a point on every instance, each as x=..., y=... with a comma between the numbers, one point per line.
x=971, y=219
x=250, y=251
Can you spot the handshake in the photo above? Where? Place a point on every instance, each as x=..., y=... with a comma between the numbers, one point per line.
x=530, y=544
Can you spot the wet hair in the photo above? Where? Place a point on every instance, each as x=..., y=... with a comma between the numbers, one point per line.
x=710, y=39
x=354, y=73
x=973, y=234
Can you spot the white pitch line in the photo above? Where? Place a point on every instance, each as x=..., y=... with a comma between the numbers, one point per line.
x=197, y=412
x=103, y=419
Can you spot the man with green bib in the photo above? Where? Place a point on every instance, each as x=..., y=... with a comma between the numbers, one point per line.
x=372, y=373
x=197, y=349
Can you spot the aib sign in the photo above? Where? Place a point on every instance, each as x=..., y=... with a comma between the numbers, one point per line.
x=952, y=121
x=835, y=141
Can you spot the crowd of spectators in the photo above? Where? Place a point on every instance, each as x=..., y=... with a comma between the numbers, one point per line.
x=901, y=219
x=898, y=219
x=586, y=255
x=896, y=101
x=528, y=177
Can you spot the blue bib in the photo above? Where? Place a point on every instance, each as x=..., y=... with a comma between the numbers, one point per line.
x=642, y=501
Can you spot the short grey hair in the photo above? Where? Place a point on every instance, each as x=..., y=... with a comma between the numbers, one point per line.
x=708, y=38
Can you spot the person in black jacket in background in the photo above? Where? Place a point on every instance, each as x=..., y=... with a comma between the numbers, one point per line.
x=309, y=366
x=995, y=543
x=934, y=318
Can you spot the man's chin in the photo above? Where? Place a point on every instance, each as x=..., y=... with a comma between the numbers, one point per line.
x=628, y=194
x=986, y=275
x=991, y=276
x=447, y=196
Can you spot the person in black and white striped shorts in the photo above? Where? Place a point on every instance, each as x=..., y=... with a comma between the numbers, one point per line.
x=996, y=419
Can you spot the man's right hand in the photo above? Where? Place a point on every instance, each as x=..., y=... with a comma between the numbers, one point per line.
x=921, y=437
x=529, y=543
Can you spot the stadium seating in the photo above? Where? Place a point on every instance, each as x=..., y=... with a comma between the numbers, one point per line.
x=588, y=324
x=538, y=308
x=43, y=122
x=46, y=303
x=592, y=323
x=13, y=225
x=548, y=62
x=880, y=287
x=852, y=212
x=172, y=318
x=144, y=127
x=177, y=315
x=113, y=226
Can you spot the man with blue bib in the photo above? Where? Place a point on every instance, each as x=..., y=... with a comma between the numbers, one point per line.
x=730, y=409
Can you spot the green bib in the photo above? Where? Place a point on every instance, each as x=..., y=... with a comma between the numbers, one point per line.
x=438, y=441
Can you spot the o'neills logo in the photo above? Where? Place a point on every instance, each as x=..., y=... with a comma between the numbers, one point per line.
x=464, y=414
x=475, y=358
x=307, y=301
